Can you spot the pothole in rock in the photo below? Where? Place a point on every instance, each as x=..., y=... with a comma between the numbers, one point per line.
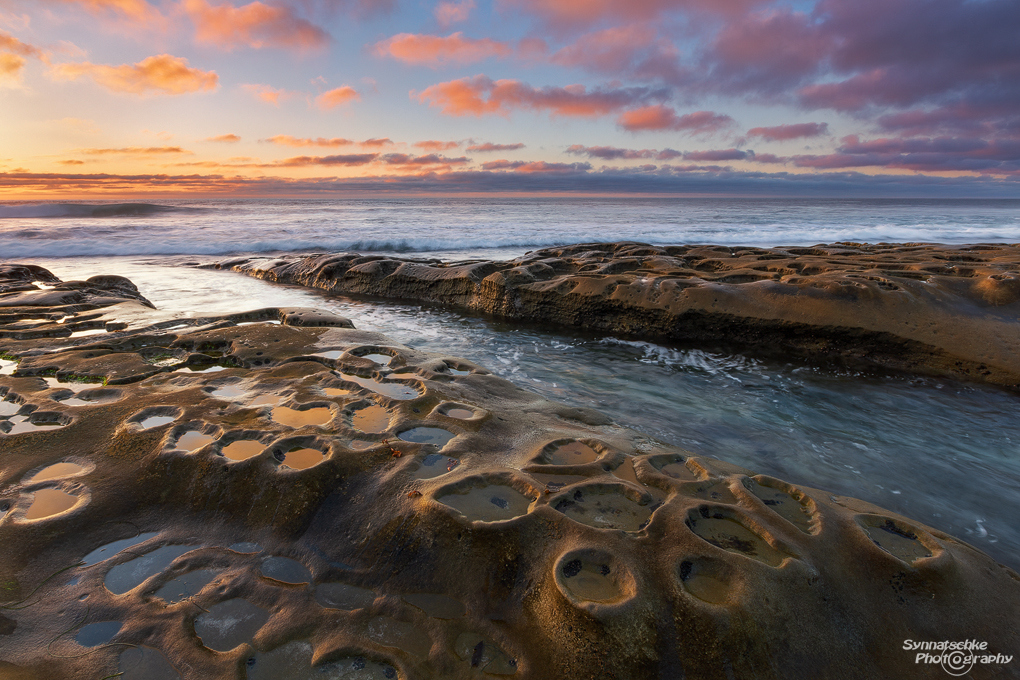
x=55, y=471
x=92, y=398
x=604, y=507
x=73, y=385
x=343, y=596
x=145, y=663
x=427, y=435
x=107, y=551
x=389, y=632
x=790, y=503
x=593, y=575
x=50, y=502
x=393, y=390
x=570, y=453
x=293, y=661
x=897, y=538
x=229, y=624
x=487, y=502
x=156, y=421
x=331, y=354
x=290, y=417
x=95, y=634
x=183, y=587
x=201, y=368
x=459, y=413
x=371, y=419
x=381, y=359
x=193, y=440
x=437, y=606
x=301, y=458
x=23, y=425
x=335, y=392
x=7, y=367
x=9, y=408
x=286, y=570
x=673, y=465
x=554, y=483
x=243, y=449
x=705, y=581
x=129, y=575
x=722, y=528
x=228, y=392
x=482, y=653
x=265, y=400
x=434, y=465
x=245, y=548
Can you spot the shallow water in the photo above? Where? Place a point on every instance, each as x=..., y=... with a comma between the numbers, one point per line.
x=944, y=453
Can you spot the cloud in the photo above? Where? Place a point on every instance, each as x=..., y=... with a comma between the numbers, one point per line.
x=287, y=140
x=254, y=25
x=921, y=154
x=662, y=117
x=487, y=147
x=12, y=56
x=536, y=167
x=564, y=14
x=163, y=74
x=135, y=151
x=342, y=160
x=634, y=51
x=717, y=155
x=337, y=97
x=138, y=11
x=609, y=153
x=434, y=50
x=266, y=93
x=793, y=131
x=228, y=139
x=479, y=96
x=71, y=162
x=433, y=145
x=448, y=13
x=377, y=142
x=409, y=161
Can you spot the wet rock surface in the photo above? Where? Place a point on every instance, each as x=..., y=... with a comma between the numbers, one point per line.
x=951, y=310
x=517, y=539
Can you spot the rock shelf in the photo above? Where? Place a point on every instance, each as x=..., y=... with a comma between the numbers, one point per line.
x=535, y=541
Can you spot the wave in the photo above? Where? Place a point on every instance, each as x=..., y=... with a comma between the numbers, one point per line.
x=81, y=210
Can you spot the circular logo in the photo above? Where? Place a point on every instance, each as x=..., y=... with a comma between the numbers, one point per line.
x=957, y=663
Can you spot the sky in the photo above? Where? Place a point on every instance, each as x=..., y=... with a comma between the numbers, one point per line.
x=221, y=98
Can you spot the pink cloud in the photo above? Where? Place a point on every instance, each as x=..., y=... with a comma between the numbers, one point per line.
x=662, y=117
x=163, y=74
x=536, y=167
x=227, y=139
x=488, y=147
x=268, y=94
x=433, y=145
x=337, y=97
x=921, y=154
x=407, y=160
x=135, y=10
x=287, y=140
x=576, y=13
x=634, y=50
x=609, y=153
x=253, y=25
x=479, y=96
x=717, y=155
x=793, y=131
x=343, y=160
x=434, y=50
x=448, y=13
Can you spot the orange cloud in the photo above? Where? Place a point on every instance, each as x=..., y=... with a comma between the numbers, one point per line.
x=137, y=10
x=480, y=96
x=253, y=25
x=536, y=167
x=432, y=145
x=135, y=151
x=229, y=139
x=661, y=117
x=434, y=50
x=447, y=12
x=163, y=73
x=71, y=162
x=377, y=142
x=269, y=95
x=337, y=97
x=345, y=160
x=489, y=146
x=287, y=140
x=12, y=56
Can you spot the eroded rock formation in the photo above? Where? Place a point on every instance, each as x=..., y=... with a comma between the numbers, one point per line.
x=923, y=307
x=275, y=494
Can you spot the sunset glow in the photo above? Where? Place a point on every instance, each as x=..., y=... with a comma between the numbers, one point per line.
x=304, y=97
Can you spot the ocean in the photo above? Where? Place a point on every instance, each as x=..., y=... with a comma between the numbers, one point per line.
x=942, y=452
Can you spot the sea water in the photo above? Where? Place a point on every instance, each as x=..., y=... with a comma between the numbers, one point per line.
x=941, y=452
